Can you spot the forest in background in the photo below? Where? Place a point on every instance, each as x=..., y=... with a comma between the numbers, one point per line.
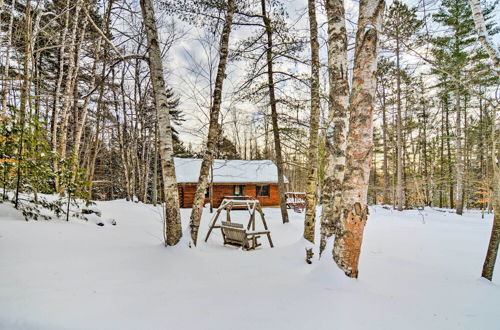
x=88, y=111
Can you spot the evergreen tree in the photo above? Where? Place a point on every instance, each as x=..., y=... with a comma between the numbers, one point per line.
x=401, y=28
x=458, y=67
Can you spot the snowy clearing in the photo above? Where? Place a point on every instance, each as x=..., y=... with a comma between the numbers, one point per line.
x=77, y=275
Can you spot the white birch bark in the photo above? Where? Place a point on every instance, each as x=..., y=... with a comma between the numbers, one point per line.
x=494, y=54
x=25, y=91
x=336, y=134
x=57, y=92
x=312, y=178
x=173, y=230
x=7, y=59
x=487, y=43
x=348, y=239
x=84, y=110
x=81, y=120
x=71, y=76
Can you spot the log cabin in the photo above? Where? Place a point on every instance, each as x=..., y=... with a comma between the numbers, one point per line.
x=230, y=179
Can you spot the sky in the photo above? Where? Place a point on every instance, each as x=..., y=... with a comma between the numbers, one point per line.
x=188, y=52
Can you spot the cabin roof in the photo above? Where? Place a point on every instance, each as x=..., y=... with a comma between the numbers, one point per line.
x=187, y=170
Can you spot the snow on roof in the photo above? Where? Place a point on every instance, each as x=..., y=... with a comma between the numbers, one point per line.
x=187, y=170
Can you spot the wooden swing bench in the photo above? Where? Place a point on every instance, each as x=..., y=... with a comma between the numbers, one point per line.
x=235, y=233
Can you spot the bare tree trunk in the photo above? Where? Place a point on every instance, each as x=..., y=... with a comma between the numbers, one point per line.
x=386, y=148
x=28, y=53
x=71, y=81
x=348, y=240
x=482, y=33
x=154, y=196
x=173, y=230
x=399, y=141
x=57, y=95
x=441, y=166
x=213, y=129
x=81, y=120
x=491, y=255
x=97, y=146
x=145, y=181
x=274, y=114
x=448, y=145
x=426, y=174
x=7, y=59
x=459, y=166
x=121, y=131
x=336, y=132
x=312, y=178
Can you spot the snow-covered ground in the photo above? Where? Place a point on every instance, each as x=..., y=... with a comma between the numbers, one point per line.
x=76, y=275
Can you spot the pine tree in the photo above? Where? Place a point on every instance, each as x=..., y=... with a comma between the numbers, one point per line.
x=457, y=67
x=400, y=28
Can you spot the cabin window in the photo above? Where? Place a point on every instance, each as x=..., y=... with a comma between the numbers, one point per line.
x=238, y=190
x=207, y=192
x=263, y=191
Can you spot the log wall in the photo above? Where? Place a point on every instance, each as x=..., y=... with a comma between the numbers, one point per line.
x=187, y=191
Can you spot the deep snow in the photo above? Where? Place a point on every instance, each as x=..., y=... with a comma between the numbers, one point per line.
x=76, y=275
x=228, y=171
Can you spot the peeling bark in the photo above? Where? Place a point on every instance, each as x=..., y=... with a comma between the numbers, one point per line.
x=347, y=248
x=336, y=132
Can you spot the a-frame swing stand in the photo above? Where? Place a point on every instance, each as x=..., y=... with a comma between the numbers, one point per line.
x=235, y=233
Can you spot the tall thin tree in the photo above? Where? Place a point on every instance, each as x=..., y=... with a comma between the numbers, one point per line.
x=274, y=112
x=213, y=129
x=347, y=247
x=338, y=104
x=312, y=178
x=173, y=230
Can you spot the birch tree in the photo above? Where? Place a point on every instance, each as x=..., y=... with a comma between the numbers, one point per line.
x=7, y=57
x=492, y=50
x=483, y=35
x=312, y=178
x=28, y=54
x=347, y=246
x=213, y=129
x=172, y=227
x=71, y=80
x=338, y=103
x=492, y=252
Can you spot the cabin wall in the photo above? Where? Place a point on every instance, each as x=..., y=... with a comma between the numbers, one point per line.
x=187, y=191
